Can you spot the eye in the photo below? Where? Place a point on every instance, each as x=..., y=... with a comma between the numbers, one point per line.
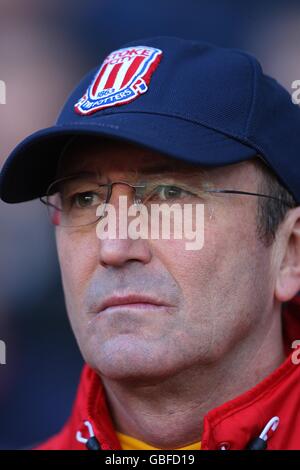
x=87, y=199
x=167, y=192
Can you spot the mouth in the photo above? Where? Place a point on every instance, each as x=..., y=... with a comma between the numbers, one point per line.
x=132, y=302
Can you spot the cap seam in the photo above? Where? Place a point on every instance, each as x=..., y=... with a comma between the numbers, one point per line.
x=225, y=139
x=254, y=92
x=224, y=131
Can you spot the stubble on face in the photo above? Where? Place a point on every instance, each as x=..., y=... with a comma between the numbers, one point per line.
x=214, y=296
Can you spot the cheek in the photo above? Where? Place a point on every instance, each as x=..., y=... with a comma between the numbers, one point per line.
x=221, y=285
x=78, y=257
x=193, y=270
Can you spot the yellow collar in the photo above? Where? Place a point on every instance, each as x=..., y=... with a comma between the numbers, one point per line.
x=130, y=443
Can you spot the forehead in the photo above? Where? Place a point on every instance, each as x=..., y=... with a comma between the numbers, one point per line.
x=103, y=155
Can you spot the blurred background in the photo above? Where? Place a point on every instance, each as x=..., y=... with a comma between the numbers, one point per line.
x=45, y=49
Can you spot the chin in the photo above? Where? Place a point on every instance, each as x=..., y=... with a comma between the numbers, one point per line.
x=124, y=360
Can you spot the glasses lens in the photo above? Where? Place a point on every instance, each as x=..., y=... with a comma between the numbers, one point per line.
x=76, y=201
x=169, y=194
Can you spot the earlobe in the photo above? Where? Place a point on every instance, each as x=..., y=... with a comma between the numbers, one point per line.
x=287, y=287
x=288, y=278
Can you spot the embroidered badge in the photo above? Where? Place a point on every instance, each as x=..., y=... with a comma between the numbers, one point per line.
x=124, y=75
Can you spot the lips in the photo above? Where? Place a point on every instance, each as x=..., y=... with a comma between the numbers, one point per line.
x=132, y=300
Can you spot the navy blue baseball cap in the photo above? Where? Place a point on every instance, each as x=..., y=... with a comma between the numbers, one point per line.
x=186, y=99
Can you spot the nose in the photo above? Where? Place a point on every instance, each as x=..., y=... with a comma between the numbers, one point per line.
x=119, y=251
x=119, y=188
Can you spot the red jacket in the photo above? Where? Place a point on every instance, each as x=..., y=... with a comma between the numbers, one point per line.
x=232, y=425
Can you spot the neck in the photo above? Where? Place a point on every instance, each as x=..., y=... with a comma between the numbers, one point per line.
x=168, y=413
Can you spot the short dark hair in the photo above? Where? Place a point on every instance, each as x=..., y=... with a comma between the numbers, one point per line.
x=271, y=212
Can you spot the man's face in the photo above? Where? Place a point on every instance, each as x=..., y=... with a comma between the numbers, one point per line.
x=209, y=299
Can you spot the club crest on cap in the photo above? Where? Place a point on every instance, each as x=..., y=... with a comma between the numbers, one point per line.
x=124, y=75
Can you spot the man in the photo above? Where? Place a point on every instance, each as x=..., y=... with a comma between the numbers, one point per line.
x=184, y=348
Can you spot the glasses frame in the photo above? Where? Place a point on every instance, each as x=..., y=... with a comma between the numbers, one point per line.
x=138, y=194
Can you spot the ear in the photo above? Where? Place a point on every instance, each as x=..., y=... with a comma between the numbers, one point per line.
x=288, y=277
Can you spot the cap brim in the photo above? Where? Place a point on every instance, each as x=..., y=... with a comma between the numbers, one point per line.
x=31, y=167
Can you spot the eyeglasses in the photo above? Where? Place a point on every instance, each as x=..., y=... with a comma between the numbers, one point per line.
x=80, y=200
